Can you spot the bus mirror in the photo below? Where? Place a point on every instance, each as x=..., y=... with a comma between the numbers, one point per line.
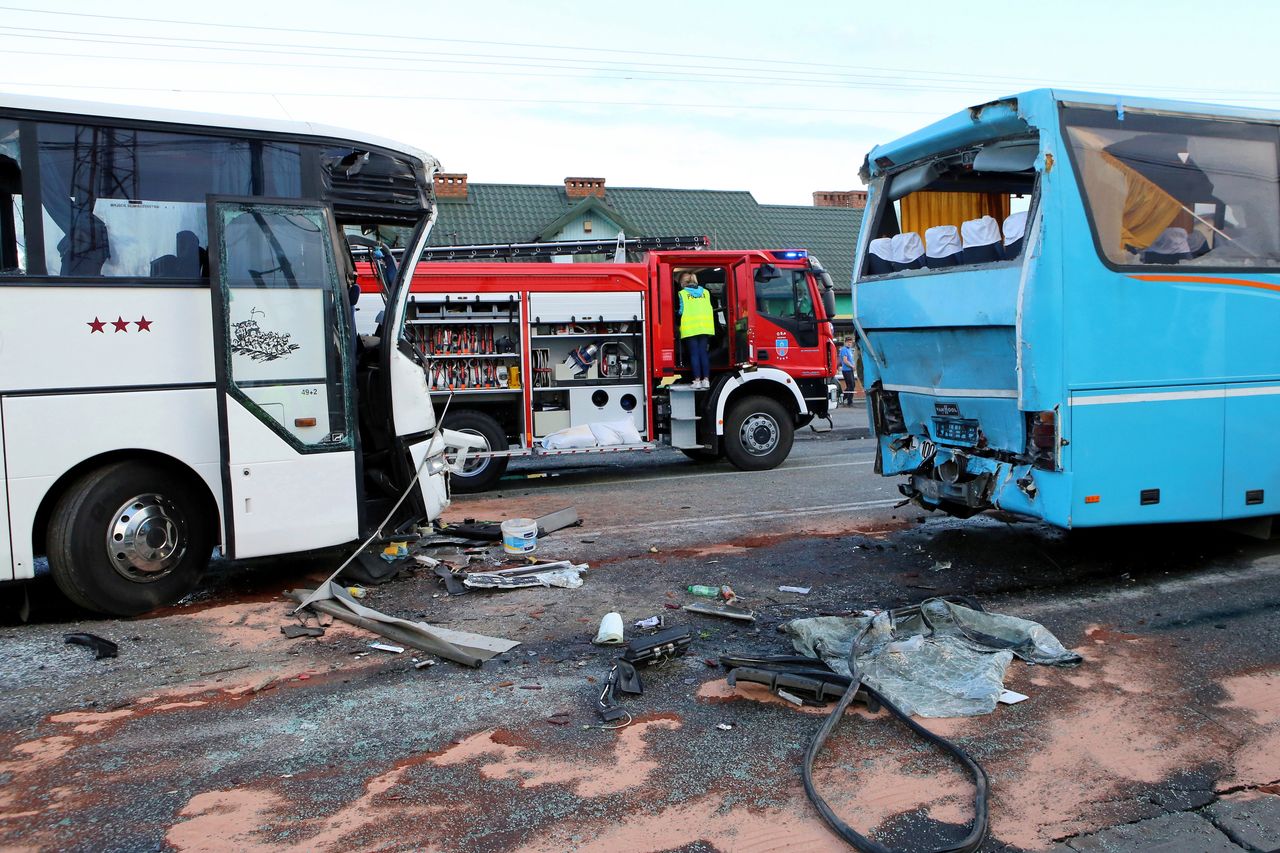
x=1007, y=158
x=767, y=272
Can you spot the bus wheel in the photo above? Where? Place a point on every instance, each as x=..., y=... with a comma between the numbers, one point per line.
x=758, y=434
x=478, y=475
x=127, y=538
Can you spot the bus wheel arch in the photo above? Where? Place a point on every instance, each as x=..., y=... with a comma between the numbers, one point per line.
x=169, y=517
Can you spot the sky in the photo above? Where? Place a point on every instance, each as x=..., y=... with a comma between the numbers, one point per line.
x=780, y=99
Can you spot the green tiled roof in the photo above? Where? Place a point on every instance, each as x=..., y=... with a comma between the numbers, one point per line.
x=512, y=213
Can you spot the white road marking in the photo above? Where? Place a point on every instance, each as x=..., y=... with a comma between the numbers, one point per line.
x=707, y=521
x=1265, y=567
x=734, y=473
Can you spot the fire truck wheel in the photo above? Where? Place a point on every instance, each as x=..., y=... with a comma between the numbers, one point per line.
x=758, y=433
x=481, y=474
x=127, y=538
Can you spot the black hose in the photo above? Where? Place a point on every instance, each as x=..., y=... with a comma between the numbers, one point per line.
x=968, y=844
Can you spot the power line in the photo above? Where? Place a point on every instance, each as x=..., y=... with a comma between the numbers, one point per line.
x=709, y=80
x=325, y=51
x=436, y=39
x=577, y=102
x=915, y=73
x=712, y=76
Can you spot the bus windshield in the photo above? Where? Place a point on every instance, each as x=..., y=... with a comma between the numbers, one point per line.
x=1164, y=190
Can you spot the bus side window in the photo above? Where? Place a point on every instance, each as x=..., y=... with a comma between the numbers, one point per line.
x=131, y=203
x=13, y=254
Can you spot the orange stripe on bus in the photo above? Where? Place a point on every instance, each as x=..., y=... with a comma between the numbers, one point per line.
x=1208, y=279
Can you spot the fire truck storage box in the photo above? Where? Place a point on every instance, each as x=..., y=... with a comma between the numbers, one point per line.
x=545, y=423
x=463, y=303
x=607, y=403
x=585, y=307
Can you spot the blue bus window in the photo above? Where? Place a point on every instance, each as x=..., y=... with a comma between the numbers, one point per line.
x=1167, y=190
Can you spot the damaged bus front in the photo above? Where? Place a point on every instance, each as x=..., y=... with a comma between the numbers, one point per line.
x=939, y=319
x=1067, y=304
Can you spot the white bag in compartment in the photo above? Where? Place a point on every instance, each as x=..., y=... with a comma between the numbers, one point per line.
x=569, y=438
x=616, y=432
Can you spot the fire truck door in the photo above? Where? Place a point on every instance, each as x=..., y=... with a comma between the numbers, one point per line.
x=741, y=304
x=785, y=323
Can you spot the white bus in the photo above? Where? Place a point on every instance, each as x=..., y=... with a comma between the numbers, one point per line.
x=177, y=364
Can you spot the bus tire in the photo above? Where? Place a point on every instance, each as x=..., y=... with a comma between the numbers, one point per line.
x=483, y=474
x=127, y=538
x=702, y=455
x=758, y=434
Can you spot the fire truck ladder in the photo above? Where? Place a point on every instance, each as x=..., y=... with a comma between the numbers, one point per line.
x=543, y=251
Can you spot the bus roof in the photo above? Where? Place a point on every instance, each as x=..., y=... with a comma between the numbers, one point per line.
x=1019, y=113
x=212, y=121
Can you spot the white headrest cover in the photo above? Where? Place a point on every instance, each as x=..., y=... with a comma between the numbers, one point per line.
x=1015, y=225
x=941, y=241
x=980, y=232
x=906, y=247
x=881, y=247
x=1196, y=241
x=1172, y=241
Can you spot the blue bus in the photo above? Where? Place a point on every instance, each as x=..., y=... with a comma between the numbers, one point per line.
x=1069, y=310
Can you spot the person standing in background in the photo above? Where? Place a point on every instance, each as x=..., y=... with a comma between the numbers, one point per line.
x=848, y=369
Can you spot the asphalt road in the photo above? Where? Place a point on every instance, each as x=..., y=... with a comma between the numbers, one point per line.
x=211, y=731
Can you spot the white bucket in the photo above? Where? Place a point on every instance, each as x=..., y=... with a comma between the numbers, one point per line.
x=519, y=535
x=610, y=633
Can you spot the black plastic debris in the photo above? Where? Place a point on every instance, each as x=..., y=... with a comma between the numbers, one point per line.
x=623, y=677
x=293, y=632
x=102, y=648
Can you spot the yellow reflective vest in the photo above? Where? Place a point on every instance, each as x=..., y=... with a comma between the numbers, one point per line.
x=695, y=314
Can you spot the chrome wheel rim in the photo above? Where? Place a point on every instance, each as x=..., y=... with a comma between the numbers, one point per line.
x=759, y=434
x=146, y=538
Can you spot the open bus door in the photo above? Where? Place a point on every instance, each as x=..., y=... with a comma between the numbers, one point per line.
x=285, y=383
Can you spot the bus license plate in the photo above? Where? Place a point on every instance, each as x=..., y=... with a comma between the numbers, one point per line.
x=955, y=430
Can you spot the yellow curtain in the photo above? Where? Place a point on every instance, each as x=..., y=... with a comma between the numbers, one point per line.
x=1148, y=209
x=923, y=210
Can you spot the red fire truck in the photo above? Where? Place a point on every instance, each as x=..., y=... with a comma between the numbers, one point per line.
x=528, y=350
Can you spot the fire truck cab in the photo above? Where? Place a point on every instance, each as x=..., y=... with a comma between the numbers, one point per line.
x=554, y=358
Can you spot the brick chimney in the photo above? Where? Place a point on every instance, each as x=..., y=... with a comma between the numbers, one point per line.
x=856, y=199
x=583, y=187
x=451, y=185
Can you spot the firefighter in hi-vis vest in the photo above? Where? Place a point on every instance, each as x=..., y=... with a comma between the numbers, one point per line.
x=697, y=325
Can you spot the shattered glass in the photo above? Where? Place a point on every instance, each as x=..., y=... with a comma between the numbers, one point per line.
x=940, y=659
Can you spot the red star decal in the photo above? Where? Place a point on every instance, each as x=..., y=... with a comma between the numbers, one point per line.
x=121, y=324
x=96, y=326
x=144, y=325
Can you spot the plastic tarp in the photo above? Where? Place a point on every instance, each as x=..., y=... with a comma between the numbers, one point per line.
x=941, y=659
x=603, y=434
x=567, y=577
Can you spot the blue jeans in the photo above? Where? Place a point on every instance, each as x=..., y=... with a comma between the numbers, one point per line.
x=699, y=361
